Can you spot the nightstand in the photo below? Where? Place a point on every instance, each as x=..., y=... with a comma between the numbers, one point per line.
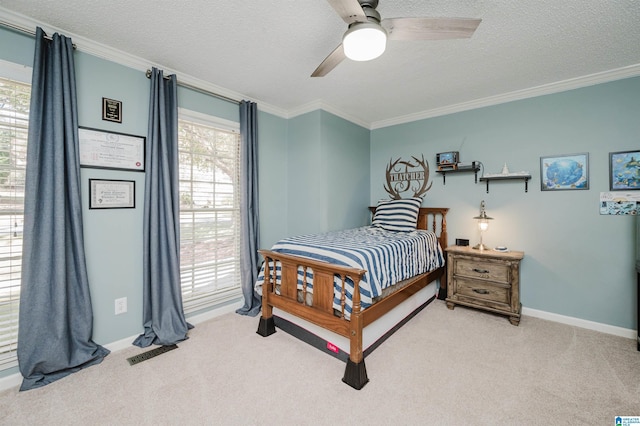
x=484, y=279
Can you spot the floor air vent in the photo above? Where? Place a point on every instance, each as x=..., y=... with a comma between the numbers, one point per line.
x=150, y=354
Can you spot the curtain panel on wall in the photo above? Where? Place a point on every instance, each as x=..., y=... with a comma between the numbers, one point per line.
x=249, y=231
x=56, y=317
x=163, y=314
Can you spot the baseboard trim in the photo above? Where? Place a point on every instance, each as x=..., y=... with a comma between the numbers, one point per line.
x=591, y=325
x=12, y=381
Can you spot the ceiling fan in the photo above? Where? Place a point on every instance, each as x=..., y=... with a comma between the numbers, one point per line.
x=366, y=37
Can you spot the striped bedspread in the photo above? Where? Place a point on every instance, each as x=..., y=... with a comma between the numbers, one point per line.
x=388, y=257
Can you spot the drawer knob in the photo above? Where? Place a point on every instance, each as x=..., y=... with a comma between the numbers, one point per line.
x=481, y=291
x=480, y=271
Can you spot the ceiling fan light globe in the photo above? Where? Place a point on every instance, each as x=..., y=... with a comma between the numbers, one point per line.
x=364, y=41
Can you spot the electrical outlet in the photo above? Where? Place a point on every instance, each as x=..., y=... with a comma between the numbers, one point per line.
x=121, y=305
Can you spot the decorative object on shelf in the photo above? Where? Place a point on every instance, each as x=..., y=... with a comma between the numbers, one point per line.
x=560, y=172
x=505, y=173
x=447, y=160
x=111, y=110
x=403, y=176
x=624, y=170
x=483, y=225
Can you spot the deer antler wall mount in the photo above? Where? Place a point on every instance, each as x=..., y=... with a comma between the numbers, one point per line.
x=407, y=176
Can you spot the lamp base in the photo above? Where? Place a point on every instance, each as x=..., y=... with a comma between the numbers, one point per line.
x=480, y=247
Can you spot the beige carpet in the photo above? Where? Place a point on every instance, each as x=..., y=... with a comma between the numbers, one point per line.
x=460, y=367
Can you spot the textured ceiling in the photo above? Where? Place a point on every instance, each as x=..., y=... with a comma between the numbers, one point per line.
x=266, y=50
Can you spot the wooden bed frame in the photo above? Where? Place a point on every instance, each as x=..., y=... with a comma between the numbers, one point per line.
x=322, y=312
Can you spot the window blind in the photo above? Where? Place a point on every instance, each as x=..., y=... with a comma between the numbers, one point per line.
x=209, y=214
x=14, y=122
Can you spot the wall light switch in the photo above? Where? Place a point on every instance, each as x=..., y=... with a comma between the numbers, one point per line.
x=121, y=305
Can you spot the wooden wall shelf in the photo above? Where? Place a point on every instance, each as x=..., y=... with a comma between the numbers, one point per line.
x=514, y=177
x=465, y=170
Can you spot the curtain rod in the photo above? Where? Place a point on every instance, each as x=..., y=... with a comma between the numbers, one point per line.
x=23, y=30
x=198, y=89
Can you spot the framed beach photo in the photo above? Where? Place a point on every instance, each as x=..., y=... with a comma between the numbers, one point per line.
x=624, y=170
x=564, y=172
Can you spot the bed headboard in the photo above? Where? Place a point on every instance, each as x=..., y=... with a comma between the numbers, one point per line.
x=431, y=218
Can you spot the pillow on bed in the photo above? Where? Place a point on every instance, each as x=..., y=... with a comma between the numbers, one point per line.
x=397, y=215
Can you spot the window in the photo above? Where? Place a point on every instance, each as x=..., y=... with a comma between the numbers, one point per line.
x=209, y=211
x=14, y=121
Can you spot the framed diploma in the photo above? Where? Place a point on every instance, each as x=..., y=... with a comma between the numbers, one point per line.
x=112, y=194
x=111, y=150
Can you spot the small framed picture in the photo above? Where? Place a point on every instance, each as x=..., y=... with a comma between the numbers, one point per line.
x=112, y=194
x=561, y=172
x=111, y=110
x=624, y=170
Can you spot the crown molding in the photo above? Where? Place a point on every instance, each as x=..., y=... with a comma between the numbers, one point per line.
x=108, y=53
x=546, y=89
x=102, y=51
x=319, y=104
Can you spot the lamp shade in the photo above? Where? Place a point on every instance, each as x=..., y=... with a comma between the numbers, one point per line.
x=364, y=41
x=483, y=214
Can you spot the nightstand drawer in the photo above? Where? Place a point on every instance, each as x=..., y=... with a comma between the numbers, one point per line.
x=480, y=290
x=487, y=270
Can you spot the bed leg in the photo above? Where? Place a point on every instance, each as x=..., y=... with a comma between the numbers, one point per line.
x=355, y=374
x=266, y=327
x=442, y=293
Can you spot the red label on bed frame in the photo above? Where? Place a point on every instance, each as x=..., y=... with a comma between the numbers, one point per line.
x=332, y=347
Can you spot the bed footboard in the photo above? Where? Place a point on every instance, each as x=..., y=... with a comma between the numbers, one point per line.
x=281, y=289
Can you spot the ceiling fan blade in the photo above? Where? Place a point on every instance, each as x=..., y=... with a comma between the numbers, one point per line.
x=429, y=28
x=330, y=62
x=349, y=10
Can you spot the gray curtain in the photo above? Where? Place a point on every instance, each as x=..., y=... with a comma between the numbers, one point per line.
x=250, y=231
x=163, y=315
x=56, y=318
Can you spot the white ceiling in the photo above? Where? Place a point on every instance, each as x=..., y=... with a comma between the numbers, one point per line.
x=266, y=50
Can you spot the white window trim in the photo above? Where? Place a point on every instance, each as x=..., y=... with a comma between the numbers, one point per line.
x=209, y=120
x=223, y=296
x=17, y=72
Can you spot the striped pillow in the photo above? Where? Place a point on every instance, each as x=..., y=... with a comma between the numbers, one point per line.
x=397, y=215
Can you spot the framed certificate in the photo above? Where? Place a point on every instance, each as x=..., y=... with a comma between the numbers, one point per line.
x=112, y=194
x=111, y=150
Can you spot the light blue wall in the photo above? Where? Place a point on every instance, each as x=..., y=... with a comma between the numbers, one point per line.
x=328, y=174
x=304, y=184
x=346, y=170
x=113, y=237
x=578, y=263
x=273, y=164
x=294, y=157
